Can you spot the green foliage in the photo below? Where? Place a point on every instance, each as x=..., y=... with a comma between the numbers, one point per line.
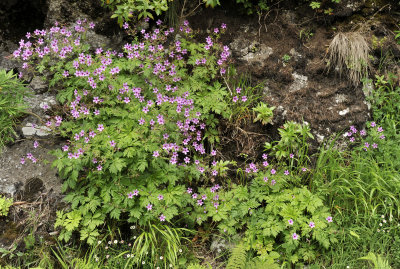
x=293, y=140
x=286, y=58
x=125, y=10
x=377, y=261
x=250, y=7
x=264, y=113
x=5, y=204
x=132, y=145
x=237, y=260
x=156, y=241
x=385, y=98
x=12, y=92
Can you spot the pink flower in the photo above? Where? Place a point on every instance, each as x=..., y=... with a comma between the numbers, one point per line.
x=290, y=222
x=286, y=172
x=130, y=195
x=156, y=153
x=160, y=197
x=100, y=127
x=112, y=143
x=135, y=192
x=311, y=224
x=99, y=167
x=295, y=236
x=373, y=124
x=189, y=190
x=162, y=217
x=35, y=144
x=273, y=171
x=22, y=160
x=149, y=207
x=329, y=219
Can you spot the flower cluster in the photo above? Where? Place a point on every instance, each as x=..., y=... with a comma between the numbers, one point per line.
x=367, y=142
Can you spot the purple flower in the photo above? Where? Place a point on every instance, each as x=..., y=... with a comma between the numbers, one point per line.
x=264, y=156
x=380, y=129
x=214, y=172
x=130, y=195
x=290, y=222
x=135, y=192
x=203, y=197
x=374, y=145
x=22, y=160
x=149, y=207
x=265, y=163
x=99, y=167
x=156, y=153
x=213, y=152
x=273, y=171
x=363, y=132
x=125, y=25
x=160, y=197
x=286, y=172
x=194, y=196
x=273, y=182
x=244, y=98
x=200, y=202
x=35, y=144
x=295, y=236
x=304, y=169
x=265, y=179
x=329, y=219
x=311, y=224
x=162, y=217
x=112, y=143
x=373, y=124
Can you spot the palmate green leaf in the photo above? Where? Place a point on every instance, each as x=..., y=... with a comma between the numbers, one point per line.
x=117, y=165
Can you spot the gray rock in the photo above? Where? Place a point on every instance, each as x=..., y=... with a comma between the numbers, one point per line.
x=13, y=174
x=32, y=129
x=38, y=85
x=299, y=82
x=250, y=51
x=7, y=187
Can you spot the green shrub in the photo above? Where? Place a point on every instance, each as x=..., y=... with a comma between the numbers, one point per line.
x=136, y=125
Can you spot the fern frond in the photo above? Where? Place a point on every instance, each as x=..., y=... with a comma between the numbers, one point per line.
x=238, y=258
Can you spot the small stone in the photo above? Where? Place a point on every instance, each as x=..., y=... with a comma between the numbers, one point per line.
x=344, y=111
x=28, y=131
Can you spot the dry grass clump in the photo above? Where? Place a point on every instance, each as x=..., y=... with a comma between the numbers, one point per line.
x=349, y=52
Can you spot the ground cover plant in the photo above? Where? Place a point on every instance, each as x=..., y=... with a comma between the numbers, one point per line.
x=144, y=176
